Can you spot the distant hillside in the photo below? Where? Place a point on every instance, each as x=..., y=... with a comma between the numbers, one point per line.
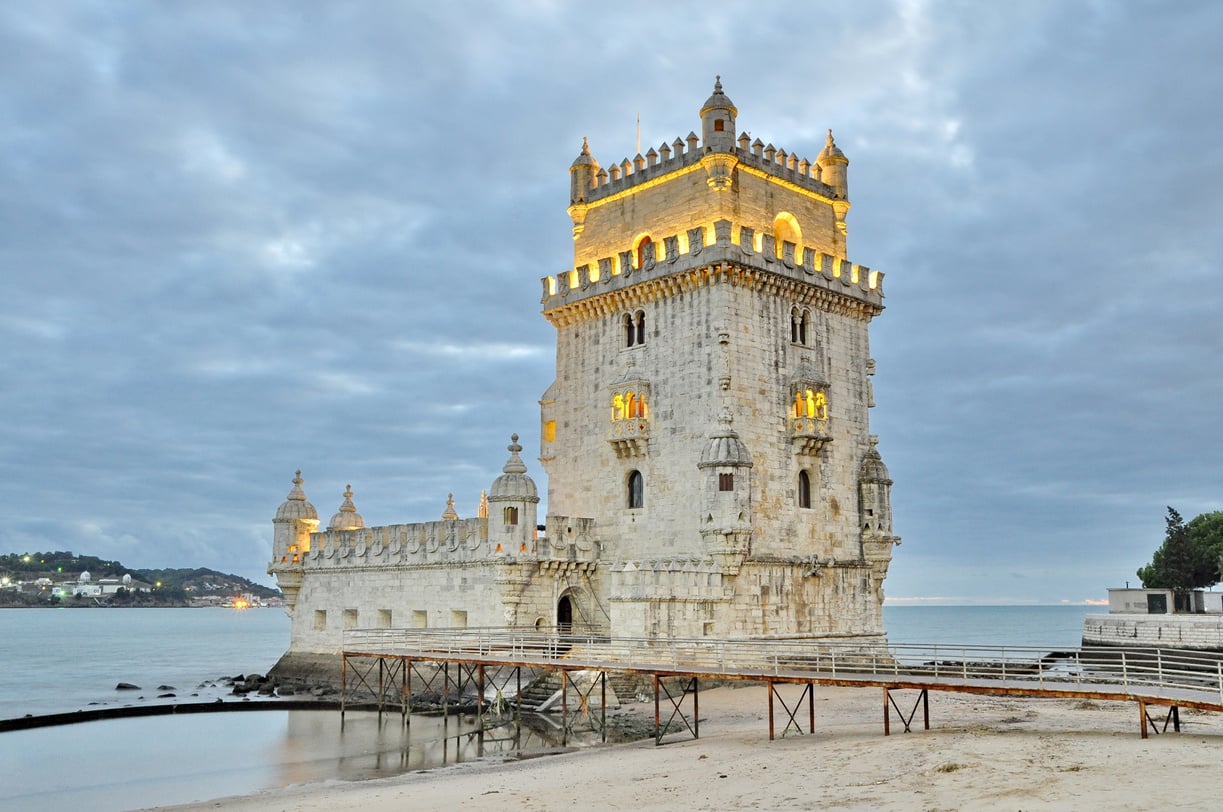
x=170, y=584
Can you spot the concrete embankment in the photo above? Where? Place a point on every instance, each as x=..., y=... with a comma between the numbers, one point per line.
x=1199, y=632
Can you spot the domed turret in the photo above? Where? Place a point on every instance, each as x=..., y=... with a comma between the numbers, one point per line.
x=724, y=447
x=513, y=482
x=582, y=174
x=718, y=121
x=872, y=468
x=512, y=501
x=726, y=506
x=833, y=167
x=296, y=506
x=347, y=518
x=295, y=520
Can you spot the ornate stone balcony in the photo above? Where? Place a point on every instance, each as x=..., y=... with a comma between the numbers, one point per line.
x=630, y=437
x=809, y=434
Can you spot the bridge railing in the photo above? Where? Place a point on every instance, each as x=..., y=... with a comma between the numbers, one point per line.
x=1147, y=669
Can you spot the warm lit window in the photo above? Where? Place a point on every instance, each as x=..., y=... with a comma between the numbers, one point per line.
x=639, y=250
x=810, y=403
x=726, y=482
x=550, y=431
x=628, y=406
x=804, y=490
x=511, y=515
x=636, y=490
x=785, y=229
x=719, y=126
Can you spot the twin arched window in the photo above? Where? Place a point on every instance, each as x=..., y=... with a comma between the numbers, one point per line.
x=800, y=325
x=636, y=490
x=634, y=328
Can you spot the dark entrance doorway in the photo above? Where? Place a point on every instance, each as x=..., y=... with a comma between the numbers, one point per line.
x=564, y=614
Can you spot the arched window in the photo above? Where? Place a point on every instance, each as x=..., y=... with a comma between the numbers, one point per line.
x=630, y=333
x=639, y=249
x=630, y=406
x=785, y=229
x=800, y=321
x=636, y=490
x=640, y=326
x=617, y=407
x=804, y=490
x=726, y=482
x=511, y=515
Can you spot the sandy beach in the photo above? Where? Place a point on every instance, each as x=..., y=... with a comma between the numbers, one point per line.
x=980, y=753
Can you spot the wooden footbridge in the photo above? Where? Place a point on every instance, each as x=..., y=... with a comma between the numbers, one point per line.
x=383, y=663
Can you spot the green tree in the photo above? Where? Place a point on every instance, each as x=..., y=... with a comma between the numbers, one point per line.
x=1188, y=558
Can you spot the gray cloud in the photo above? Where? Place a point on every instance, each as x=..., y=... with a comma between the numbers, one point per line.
x=237, y=240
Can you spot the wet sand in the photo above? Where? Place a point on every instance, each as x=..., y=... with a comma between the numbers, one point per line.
x=980, y=753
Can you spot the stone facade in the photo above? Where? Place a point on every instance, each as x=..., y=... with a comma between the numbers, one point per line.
x=706, y=440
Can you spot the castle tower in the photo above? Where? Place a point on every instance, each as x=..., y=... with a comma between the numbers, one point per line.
x=295, y=520
x=712, y=275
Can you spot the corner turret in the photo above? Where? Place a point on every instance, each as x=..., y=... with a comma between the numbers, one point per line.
x=875, y=514
x=512, y=501
x=833, y=167
x=718, y=121
x=295, y=520
x=726, y=509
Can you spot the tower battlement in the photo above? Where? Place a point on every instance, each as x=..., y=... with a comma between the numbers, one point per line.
x=683, y=153
x=710, y=245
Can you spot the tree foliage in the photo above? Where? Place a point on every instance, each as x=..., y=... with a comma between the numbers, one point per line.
x=1189, y=557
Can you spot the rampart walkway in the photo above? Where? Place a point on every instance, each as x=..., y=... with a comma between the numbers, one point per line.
x=491, y=658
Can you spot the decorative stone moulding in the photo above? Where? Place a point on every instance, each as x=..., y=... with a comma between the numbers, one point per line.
x=720, y=168
x=810, y=435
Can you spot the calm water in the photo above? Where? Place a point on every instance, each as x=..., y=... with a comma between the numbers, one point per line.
x=62, y=660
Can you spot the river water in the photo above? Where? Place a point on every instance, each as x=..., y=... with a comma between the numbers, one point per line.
x=56, y=660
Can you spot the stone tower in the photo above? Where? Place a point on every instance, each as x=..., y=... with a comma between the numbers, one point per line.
x=710, y=413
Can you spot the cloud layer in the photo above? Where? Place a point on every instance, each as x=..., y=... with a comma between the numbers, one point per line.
x=241, y=239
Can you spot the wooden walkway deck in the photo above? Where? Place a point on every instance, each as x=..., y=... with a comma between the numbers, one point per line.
x=490, y=659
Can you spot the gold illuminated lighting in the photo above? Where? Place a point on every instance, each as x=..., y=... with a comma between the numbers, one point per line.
x=810, y=403
x=241, y=603
x=550, y=431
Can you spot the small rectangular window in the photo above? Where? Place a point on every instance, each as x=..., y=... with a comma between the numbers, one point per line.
x=726, y=482
x=458, y=619
x=320, y=619
x=420, y=619
x=350, y=618
x=384, y=618
x=550, y=431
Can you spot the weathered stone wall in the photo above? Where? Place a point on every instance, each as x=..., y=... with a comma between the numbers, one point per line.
x=1203, y=632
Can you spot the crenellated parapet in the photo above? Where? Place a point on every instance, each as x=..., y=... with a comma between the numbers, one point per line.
x=686, y=154
x=705, y=249
x=438, y=542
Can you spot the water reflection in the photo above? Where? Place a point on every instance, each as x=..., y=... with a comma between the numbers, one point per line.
x=181, y=759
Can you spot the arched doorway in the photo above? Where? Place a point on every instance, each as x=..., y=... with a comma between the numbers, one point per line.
x=564, y=614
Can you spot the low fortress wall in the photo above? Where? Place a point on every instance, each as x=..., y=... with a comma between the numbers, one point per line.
x=1202, y=632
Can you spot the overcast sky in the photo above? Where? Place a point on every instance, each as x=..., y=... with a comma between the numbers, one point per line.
x=237, y=239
